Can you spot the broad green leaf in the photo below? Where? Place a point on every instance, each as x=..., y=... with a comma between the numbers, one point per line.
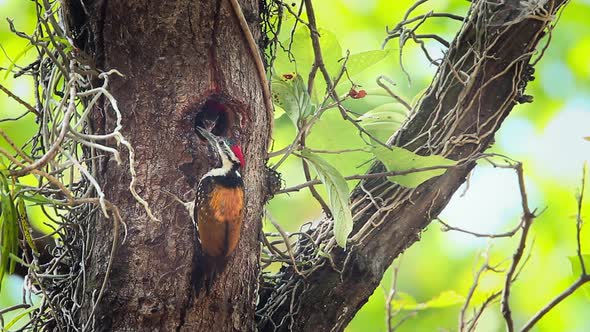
x=398, y=159
x=337, y=195
x=445, y=299
x=331, y=55
x=403, y=300
x=383, y=120
x=290, y=94
x=577, y=270
x=331, y=50
x=303, y=54
x=359, y=62
x=279, y=111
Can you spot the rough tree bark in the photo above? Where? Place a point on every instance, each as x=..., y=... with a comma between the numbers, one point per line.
x=482, y=77
x=172, y=53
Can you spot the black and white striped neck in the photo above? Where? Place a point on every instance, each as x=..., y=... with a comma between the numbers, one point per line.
x=230, y=179
x=226, y=175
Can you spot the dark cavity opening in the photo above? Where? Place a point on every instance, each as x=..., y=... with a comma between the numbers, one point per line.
x=214, y=116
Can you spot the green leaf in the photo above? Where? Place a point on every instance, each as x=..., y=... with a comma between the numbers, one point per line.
x=577, y=270
x=290, y=94
x=16, y=58
x=39, y=199
x=25, y=225
x=323, y=254
x=8, y=229
x=20, y=316
x=26, y=192
x=398, y=160
x=445, y=299
x=302, y=53
x=337, y=189
x=279, y=111
x=331, y=51
x=359, y=62
x=383, y=120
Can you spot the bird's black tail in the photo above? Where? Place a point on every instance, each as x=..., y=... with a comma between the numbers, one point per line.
x=205, y=271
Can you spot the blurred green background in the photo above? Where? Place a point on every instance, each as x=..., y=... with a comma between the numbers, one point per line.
x=546, y=135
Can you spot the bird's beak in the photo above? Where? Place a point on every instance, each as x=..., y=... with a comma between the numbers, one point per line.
x=210, y=137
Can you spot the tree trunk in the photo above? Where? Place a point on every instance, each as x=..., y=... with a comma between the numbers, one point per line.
x=173, y=55
x=480, y=80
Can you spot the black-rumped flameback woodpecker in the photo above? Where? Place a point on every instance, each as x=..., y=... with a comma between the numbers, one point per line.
x=218, y=210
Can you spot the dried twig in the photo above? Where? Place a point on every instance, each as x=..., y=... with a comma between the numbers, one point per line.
x=527, y=220
x=510, y=233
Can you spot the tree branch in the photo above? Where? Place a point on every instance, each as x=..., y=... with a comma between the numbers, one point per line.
x=476, y=86
x=527, y=220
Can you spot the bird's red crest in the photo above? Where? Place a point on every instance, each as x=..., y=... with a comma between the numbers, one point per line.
x=238, y=152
